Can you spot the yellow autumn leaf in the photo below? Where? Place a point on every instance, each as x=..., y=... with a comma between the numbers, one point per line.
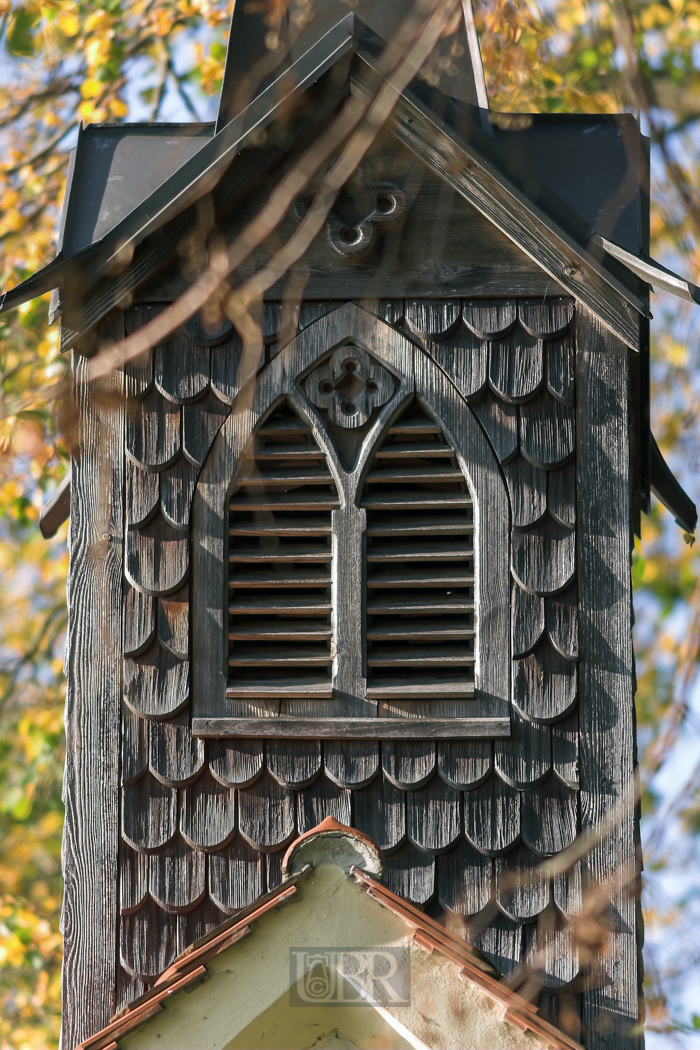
x=68, y=24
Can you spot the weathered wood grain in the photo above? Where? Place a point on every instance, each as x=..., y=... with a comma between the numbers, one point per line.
x=177, y=484
x=153, y=431
x=147, y=941
x=516, y=368
x=177, y=877
x=434, y=816
x=225, y=363
x=411, y=873
x=464, y=880
x=545, y=685
x=323, y=799
x=207, y=813
x=544, y=557
x=236, y=876
x=607, y=705
x=181, y=368
x=568, y=890
x=142, y=494
x=553, y=952
x=266, y=814
x=138, y=621
x=157, y=557
x=547, y=431
x=546, y=320
x=91, y=791
x=490, y=318
x=565, y=750
x=527, y=488
x=174, y=756
x=380, y=812
x=492, y=816
x=502, y=941
x=521, y=890
x=500, y=421
x=525, y=759
x=464, y=763
x=528, y=613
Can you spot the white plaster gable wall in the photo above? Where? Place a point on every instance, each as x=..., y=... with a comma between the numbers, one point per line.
x=248, y=979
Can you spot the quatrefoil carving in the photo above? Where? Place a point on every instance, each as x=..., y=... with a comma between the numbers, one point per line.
x=348, y=385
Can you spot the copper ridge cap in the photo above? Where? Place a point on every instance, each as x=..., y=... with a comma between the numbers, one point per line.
x=329, y=826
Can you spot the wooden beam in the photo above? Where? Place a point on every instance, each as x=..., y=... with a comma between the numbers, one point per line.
x=354, y=728
x=91, y=791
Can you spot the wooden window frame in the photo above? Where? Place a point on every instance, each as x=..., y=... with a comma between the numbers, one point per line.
x=416, y=375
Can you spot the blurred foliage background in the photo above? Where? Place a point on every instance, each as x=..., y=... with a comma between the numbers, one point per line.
x=64, y=62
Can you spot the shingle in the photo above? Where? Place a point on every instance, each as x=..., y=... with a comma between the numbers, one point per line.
x=323, y=799
x=500, y=421
x=527, y=620
x=138, y=621
x=153, y=431
x=148, y=941
x=560, y=368
x=545, y=319
x=565, y=750
x=207, y=813
x=156, y=683
x=380, y=812
x=175, y=756
x=181, y=369
x=544, y=557
x=157, y=557
x=464, y=879
x=411, y=873
x=142, y=494
x=149, y=814
x=266, y=814
x=237, y=762
x=489, y=318
x=562, y=622
x=524, y=758
x=464, y=357
x=408, y=763
x=492, y=816
x=294, y=763
x=561, y=494
x=134, y=741
x=516, y=365
x=547, y=431
x=522, y=891
x=550, y=950
x=549, y=817
x=174, y=623
x=177, y=485
x=464, y=763
x=434, y=817
x=351, y=764
x=133, y=878
x=527, y=488
x=176, y=877
x=432, y=318
x=236, y=875
x=545, y=685
x=202, y=421
x=501, y=941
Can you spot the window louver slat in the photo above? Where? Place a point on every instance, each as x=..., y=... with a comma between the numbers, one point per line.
x=420, y=567
x=280, y=551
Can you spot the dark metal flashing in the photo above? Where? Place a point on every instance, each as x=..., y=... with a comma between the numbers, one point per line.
x=458, y=127
x=668, y=490
x=56, y=511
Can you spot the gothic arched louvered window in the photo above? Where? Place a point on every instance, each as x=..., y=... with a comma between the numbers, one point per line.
x=340, y=509
x=420, y=568
x=280, y=566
